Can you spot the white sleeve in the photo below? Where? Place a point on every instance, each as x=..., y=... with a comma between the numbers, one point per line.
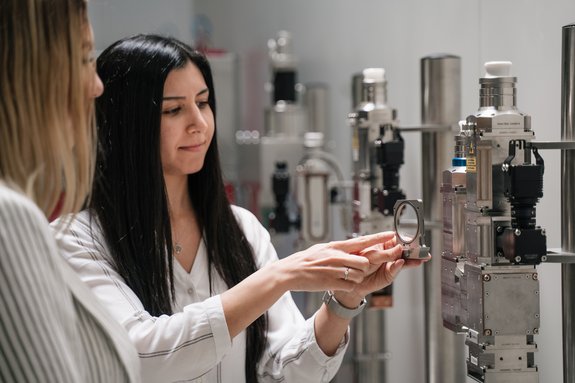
x=37, y=315
x=292, y=354
x=181, y=346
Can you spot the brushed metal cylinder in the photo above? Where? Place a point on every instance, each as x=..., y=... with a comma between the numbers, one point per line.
x=356, y=90
x=499, y=92
x=285, y=120
x=568, y=199
x=440, y=104
x=370, y=347
x=316, y=102
x=361, y=91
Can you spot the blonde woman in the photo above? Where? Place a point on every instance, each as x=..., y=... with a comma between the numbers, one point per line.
x=51, y=327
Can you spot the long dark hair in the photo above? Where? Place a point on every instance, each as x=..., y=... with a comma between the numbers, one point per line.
x=129, y=196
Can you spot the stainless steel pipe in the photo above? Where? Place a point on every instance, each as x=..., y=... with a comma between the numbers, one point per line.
x=316, y=99
x=568, y=200
x=440, y=105
x=371, y=357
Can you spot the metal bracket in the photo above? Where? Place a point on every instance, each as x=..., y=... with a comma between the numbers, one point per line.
x=427, y=128
x=563, y=145
x=558, y=256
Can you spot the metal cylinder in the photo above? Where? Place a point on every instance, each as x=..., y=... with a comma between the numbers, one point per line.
x=499, y=92
x=363, y=90
x=370, y=347
x=316, y=102
x=568, y=200
x=440, y=105
x=356, y=90
x=284, y=119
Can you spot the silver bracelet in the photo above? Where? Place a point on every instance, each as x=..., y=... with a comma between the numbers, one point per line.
x=340, y=310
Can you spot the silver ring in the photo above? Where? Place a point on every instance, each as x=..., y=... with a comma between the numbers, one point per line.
x=346, y=275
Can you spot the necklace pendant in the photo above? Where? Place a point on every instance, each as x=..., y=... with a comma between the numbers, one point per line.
x=178, y=248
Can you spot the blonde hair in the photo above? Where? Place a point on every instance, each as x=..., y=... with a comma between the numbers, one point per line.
x=46, y=128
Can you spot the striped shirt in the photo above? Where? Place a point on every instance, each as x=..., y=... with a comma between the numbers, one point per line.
x=51, y=327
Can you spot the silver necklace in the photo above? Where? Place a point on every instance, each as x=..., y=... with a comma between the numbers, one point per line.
x=177, y=245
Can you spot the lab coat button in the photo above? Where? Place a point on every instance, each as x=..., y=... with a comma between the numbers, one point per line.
x=190, y=291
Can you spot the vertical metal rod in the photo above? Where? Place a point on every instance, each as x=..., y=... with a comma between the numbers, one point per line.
x=568, y=200
x=371, y=356
x=316, y=101
x=440, y=104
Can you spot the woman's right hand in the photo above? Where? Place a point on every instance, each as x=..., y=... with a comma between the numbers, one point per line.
x=323, y=266
x=318, y=268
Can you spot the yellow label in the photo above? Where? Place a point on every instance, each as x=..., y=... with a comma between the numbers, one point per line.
x=471, y=165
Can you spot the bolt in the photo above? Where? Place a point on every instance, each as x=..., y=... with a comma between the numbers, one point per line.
x=537, y=316
x=544, y=258
x=543, y=232
x=500, y=253
x=517, y=232
x=499, y=229
x=535, y=330
x=518, y=259
x=486, y=277
x=487, y=332
x=535, y=276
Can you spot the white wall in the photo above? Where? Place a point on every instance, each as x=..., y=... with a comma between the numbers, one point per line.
x=337, y=38
x=114, y=19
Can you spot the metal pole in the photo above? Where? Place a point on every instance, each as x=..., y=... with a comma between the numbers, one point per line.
x=316, y=101
x=441, y=105
x=568, y=200
x=371, y=356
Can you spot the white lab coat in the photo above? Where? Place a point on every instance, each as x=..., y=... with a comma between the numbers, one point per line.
x=193, y=344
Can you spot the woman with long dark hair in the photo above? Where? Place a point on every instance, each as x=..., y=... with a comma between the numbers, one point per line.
x=194, y=280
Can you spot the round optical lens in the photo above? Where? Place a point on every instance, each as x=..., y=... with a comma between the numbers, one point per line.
x=406, y=222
